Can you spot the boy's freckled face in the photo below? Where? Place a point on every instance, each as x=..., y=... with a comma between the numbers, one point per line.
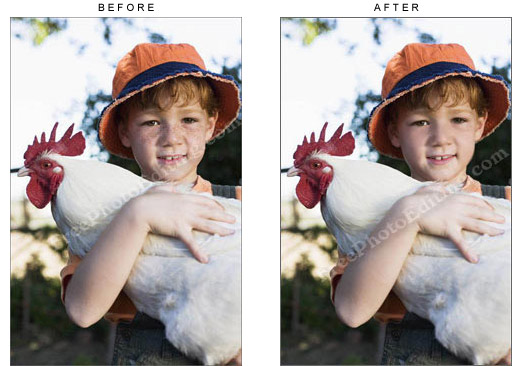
x=438, y=144
x=168, y=144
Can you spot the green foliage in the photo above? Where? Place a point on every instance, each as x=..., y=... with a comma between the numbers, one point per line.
x=43, y=233
x=426, y=38
x=156, y=38
x=84, y=360
x=108, y=23
x=353, y=360
x=315, y=308
x=313, y=233
x=378, y=24
x=491, y=163
x=45, y=307
x=222, y=161
x=46, y=310
x=312, y=28
x=41, y=28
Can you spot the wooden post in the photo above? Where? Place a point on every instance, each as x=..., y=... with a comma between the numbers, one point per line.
x=380, y=342
x=111, y=342
x=26, y=300
x=296, y=299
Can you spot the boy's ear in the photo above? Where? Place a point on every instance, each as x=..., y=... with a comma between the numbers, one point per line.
x=211, y=125
x=480, y=127
x=123, y=134
x=393, y=135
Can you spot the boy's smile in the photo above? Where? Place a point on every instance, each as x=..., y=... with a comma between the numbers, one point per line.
x=438, y=144
x=168, y=144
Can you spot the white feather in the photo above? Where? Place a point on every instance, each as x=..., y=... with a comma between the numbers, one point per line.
x=469, y=304
x=200, y=304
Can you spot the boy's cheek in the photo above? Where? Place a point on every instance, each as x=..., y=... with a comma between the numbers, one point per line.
x=197, y=150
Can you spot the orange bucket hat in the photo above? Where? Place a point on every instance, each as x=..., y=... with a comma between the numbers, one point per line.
x=150, y=64
x=419, y=64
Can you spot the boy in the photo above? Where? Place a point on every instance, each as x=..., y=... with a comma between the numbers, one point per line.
x=435, y=107
x=166, y=106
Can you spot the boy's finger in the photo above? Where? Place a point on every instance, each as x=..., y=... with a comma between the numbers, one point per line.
x=487, y=215
x=192, y=246
x=480, y=227
x=210, y=202
x=462, y=245
x=220, y=216
x=211, y=227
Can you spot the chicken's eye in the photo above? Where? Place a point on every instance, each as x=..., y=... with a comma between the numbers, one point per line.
x=46, y=164
x=316, y=165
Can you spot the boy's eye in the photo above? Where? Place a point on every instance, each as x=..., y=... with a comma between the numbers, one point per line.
x=150, y=123
x=419, y=123
x=459, y=120
x=189, y=120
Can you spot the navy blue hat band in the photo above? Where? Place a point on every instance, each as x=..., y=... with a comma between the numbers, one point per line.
x=431, y=71
x=162, y=71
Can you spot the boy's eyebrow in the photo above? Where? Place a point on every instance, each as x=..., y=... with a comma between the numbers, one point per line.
x=150, y=109
x=461, y=109
x=190, y=108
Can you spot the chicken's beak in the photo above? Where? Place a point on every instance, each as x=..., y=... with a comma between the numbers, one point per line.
x=293, y=172
x=23, y=172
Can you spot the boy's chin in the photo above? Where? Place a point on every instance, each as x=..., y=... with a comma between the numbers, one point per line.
x=444, y=176
x=180, y=176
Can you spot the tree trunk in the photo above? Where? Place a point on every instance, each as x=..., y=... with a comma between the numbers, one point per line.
x=26, y=300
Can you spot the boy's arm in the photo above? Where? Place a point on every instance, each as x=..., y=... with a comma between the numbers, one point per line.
x=367, y=281
x=101, y=275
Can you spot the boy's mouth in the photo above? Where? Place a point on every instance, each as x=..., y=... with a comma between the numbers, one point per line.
x=172, y=159
x=440, y=159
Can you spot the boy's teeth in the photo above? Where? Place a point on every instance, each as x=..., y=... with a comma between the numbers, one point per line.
x=441, y=157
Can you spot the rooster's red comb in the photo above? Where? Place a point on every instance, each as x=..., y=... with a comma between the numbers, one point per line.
x=337, y=145
x=68, y=145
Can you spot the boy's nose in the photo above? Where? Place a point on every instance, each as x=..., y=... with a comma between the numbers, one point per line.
x=440, y=134
x=171, y=134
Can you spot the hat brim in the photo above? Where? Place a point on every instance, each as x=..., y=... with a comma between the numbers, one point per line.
x=224, y=87
x=494, y=87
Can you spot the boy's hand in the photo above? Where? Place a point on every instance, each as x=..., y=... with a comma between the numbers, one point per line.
x=170, y=213
x=447, y=214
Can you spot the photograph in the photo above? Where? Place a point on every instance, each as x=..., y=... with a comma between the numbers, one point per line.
x=395, y=191
x=125, y=218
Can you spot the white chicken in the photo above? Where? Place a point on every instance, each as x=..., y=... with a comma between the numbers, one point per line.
x=199, y=304
x=469, y=304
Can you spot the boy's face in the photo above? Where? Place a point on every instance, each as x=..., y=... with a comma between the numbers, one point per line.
x=438, y=144
x=168, y=144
